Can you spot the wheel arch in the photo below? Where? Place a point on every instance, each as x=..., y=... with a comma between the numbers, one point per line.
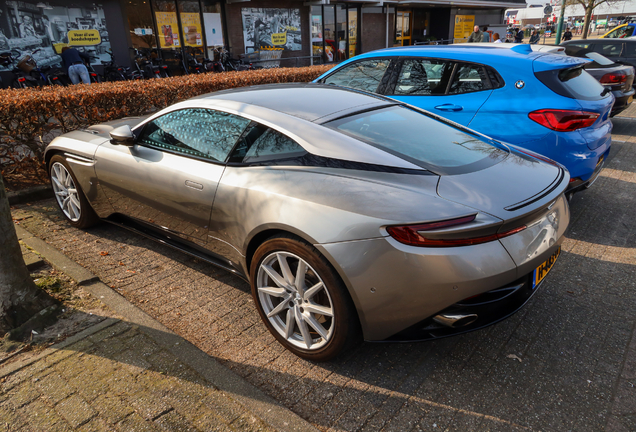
x=260, y=237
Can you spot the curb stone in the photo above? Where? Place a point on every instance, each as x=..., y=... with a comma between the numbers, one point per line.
x=30, y=194
x=252, y=398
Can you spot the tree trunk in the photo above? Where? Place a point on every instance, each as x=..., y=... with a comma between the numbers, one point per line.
x=20, y=298
x=588, y=15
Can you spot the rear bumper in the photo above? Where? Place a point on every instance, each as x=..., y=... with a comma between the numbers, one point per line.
x=622, y=102
x=577, y=184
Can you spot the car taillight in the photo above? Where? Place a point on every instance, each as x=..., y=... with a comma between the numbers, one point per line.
x=21, y=79
x=563, y=120
x=93, y=74
x=614, y=78
x=410, y=234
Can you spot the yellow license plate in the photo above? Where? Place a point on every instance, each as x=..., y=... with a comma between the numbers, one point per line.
x=542, y=271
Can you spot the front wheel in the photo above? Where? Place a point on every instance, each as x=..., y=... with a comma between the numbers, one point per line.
x=302, y=301
x=69, y=195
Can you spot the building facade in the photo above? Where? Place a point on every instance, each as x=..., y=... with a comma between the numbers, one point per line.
x=266, y=32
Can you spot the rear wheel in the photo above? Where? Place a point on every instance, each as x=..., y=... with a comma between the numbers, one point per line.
x=69, y=195
x=302, y=301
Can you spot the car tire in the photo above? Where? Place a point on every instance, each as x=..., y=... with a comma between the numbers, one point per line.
x=69, y=195
x=315, y=319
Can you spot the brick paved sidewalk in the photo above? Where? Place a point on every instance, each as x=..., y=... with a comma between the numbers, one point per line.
x=117, y=378
x=567, y=361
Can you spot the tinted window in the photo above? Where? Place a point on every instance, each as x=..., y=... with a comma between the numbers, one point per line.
x=418, y=138
x=469, y=78
x=609, y=49
x=363, y=75
x=597, y=59
x=195, y=132
x=630, y=49
x=260, y=144
x=423, y=77
x=574, y=83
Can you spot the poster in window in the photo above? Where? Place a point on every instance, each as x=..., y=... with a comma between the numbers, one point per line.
x=191, y=25
x=26, y=27
x=213, y=29
x=168, y=29
x=265, y=28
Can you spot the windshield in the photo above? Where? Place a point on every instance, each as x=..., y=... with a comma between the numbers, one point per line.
x=420, y=139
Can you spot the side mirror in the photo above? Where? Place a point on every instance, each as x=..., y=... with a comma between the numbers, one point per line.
x=122, y=136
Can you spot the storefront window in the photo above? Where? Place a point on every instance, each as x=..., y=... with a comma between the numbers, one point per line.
x=42, y=30
x=213, y=27
x=341, y=32
x=316, y=31
x=330, y=33
x=142, y=29
x=191, y=32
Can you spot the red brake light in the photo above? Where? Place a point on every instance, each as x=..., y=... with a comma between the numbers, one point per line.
x=563, y=120
x=614, y=78
x=22, y=79
x=94, y=74
x=409, y=234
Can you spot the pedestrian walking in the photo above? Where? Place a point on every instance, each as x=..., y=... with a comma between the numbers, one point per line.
x=77, y=71
x=476, y=35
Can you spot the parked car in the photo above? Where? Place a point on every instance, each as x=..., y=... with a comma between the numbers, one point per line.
x=540, y=101
x=618, y=78
x=348, y=213
x=617, y=50
x=620, y=31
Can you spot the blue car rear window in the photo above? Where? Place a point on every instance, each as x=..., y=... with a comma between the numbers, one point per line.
x=420, y=139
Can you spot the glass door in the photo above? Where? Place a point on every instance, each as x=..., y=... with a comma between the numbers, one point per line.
x=403, y=28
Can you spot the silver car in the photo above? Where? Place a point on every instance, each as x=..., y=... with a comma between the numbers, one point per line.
x=351, y=215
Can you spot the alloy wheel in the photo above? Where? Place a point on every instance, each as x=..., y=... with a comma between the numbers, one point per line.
x=66, y=193
x=295, y=300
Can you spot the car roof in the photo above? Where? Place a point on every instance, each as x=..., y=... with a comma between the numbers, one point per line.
x=490, y=55
x=292, y=99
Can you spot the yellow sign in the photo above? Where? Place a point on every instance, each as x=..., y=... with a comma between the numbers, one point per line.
x=464, y=25
x=168, y=29
x=191, y=25
x=279, y=38
x=84, y=37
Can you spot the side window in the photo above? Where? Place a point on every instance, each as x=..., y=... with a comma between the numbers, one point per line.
x=261, y=144
x=423, y=77
x=624, y=32
x=630, y=50
x=363, y=75
x=469, y=78
x=609, y=49
x=613, y=33
x=196, y=132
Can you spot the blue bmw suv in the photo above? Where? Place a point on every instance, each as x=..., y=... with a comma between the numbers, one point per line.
x=539, y=101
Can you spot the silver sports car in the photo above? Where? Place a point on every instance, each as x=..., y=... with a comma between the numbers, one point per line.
x=351, y=215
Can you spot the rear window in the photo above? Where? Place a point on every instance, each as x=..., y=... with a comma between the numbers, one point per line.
x=598, y=60
x=422, y=140
x=574, y=83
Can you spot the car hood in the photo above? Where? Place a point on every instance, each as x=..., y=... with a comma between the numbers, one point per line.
x=529, y=182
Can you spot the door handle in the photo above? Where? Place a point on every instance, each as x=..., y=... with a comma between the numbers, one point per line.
x=194, y=185
x=449, y=107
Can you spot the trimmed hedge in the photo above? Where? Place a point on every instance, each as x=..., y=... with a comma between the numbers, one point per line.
x=33, y=117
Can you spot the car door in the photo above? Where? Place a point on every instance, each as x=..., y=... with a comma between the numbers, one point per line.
x=168, y=179
x=451, y=89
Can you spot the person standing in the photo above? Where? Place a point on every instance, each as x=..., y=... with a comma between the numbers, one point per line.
x=476, y=35
x=519, y=36
x=534, y=38
x=496, y=38
x=567, y=35
x=485, y=36
x=77, y=71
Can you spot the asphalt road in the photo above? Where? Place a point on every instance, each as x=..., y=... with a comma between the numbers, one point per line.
x=566, y=362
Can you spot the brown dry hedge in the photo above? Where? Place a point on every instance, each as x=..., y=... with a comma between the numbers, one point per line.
x=33, y=117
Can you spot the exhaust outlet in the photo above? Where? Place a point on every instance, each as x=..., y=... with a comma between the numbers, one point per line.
x=455, y=321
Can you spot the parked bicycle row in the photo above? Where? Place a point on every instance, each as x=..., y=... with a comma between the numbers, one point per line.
x=147, y=64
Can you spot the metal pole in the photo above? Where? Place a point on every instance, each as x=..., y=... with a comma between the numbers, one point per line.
x=560, y=25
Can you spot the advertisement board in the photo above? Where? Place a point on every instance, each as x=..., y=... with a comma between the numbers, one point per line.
x=464, y=25
x=168, y=29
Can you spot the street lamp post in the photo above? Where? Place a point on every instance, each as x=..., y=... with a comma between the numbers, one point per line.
x=560, y=25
